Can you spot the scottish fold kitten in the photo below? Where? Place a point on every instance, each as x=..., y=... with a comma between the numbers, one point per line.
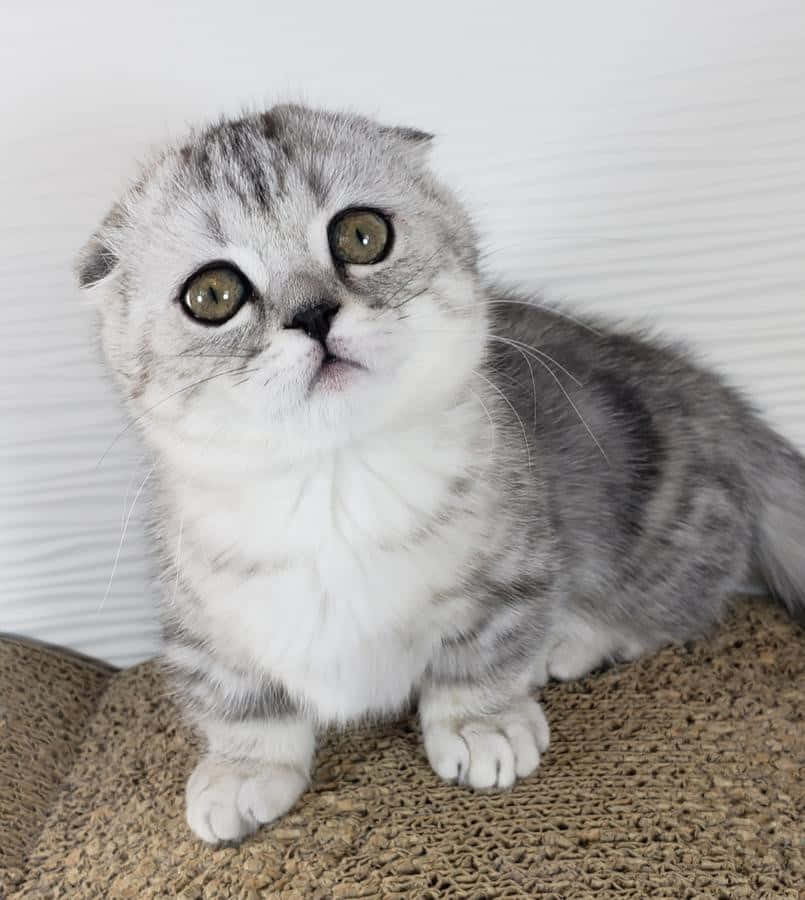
x=379, y=478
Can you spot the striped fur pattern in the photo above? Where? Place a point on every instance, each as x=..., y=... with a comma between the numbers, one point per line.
x=494, y=494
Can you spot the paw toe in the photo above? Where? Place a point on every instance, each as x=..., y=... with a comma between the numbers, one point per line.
x=524, y=745
x=491, y=758
x=268, y=796
x=490, y=751
x=447, y=752
x=225, y=803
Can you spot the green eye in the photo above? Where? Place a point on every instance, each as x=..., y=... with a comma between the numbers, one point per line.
x=360, y=237
x=215, y=294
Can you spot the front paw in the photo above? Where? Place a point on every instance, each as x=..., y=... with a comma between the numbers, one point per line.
x=488, y=751
x=228, y=801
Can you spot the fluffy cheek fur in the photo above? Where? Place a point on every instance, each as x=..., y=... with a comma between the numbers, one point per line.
x=441, y=343
x=250, y=383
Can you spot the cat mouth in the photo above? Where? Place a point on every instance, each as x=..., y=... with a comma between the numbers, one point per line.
x=335, y=372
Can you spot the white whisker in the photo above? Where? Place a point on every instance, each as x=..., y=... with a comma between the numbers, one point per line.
x=533, y=382
x=239, y=370
x=178, y=561
x=511, y=407
x=549, y=370
x=530, y=348
x=123, y=536
x=575, y=409
x=533, y=305
x=125, y=505
x=493, y=429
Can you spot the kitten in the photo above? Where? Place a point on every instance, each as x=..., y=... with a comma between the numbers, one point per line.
x=378, y=477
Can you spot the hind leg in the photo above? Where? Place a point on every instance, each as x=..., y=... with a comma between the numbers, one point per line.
x=581, y=648
x=672, y=587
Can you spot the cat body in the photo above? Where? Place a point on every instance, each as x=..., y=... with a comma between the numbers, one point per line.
x=379, y=479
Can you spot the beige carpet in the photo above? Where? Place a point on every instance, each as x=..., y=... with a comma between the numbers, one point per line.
x=677, y=776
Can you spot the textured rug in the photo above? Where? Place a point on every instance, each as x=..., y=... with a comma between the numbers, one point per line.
x=682, y=775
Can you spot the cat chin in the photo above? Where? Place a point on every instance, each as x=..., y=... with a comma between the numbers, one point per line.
x=328, y=419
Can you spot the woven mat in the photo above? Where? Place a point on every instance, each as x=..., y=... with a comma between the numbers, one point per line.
x=682, y=775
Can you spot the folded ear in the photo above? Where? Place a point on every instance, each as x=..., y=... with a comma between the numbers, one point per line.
x=98, y=257
x=411, y=140
x=412, y=136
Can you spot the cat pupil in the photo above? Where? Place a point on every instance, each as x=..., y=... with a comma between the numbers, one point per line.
x=363, y=238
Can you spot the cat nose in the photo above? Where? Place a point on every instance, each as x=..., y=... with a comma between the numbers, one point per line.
x=315, y=320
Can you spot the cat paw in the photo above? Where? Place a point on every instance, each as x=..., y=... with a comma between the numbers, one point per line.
x=574, y=658
x=227, y=802
x=488, y=751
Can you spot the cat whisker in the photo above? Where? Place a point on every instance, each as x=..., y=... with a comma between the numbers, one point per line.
x=511, y=407
x=521, y=345
x=569, y=399
x=123, y=533
x=533, y=380
x=420, y=271
x=575, y=408
x=493, y=429
x=532, y=304
x=553, y=375
x=412, y=297
x=417, y=274
x=126, y=497
x=177, y=560
x=187, y=387
x=530, y=348
x=245, y=355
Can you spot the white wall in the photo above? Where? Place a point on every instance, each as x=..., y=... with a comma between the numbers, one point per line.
x=642, y=159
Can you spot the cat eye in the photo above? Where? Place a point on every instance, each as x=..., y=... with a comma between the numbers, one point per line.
x=360, y=237
x=214, y=294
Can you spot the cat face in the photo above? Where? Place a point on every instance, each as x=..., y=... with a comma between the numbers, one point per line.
x=296, y=277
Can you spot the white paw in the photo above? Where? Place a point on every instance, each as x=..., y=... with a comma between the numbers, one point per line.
x=226, y=801
x=572, y=659
x=488, y=751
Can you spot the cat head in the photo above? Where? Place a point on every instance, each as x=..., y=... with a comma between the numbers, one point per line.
x=294, y=279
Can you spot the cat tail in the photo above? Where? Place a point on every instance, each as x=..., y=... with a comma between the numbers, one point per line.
x=780, y=534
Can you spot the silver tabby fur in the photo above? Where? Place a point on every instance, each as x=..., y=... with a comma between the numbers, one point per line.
x=501, y=495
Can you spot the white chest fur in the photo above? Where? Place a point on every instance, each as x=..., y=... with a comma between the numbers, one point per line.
x=325, y=577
